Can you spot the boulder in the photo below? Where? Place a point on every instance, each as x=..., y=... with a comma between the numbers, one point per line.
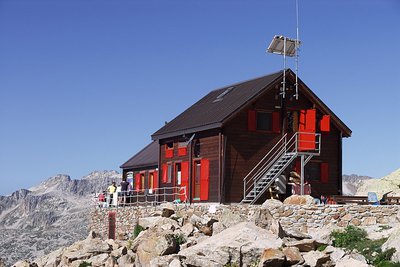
x=393, y=242
x=126, y=260
x=243, y=242
x=293, y=255
x=355, y=256
x=315, y=258
x=155, y=244
x=175, y=263
x=272, y=257
x=349, y=262
x=299, y=200
x=165, y=261
x=22, y=264
x=167, y=210
x=111, y=262
x=187, y=229
x=304, y=245
x=98, y=260
x=271, y=204
x=85, y=249
x=52, y=259
x=264, y=219
x=199, y=221
x=148, y=222
x=228, y=218
x=206, y=230
x=165, y=224
x=296, y=233
x=218, y=227
x=323, y=235
x=336, y=254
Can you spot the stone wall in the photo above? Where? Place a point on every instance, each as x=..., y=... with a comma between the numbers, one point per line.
x=302, y=217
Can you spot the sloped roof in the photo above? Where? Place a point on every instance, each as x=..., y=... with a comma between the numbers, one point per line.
x=147, y=157
x=219, y=105
x=208, y=113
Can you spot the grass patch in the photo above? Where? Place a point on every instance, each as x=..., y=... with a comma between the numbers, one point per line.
x=180, y=239
x=354, y=238
x=136, y=231
x=322, y=248
x=85, y=264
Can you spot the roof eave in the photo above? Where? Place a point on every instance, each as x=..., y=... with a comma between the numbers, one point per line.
x=211, y=126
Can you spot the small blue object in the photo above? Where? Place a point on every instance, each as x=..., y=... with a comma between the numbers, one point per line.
x=373, y=198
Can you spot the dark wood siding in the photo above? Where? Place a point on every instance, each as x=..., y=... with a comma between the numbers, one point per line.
x=244, y=148
x=209, y=149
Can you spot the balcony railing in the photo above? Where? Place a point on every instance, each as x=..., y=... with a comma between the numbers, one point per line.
x=142, y=197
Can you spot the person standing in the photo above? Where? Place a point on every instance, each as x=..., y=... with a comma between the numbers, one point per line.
x=111, y=190
x=124, y=190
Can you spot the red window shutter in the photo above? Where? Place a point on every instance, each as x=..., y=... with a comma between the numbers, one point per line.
x=164, y=173
x=251, y=120
x=169, y=152
x=137, y=181
x=204, y=179
x=185, y=180
x=311, y=120
x=324, y=172
x=325, y=123
x=155, y=177
x=276, y=122
x=182, y=151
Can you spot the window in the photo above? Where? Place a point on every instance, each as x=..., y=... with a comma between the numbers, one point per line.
x=169, y=150
x=178, y=174
x=169, y=173
x=197, y=149
x=263, y=121
x=317, y=171
x=312, y=171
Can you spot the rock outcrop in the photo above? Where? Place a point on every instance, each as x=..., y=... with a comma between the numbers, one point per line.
x=177, y=241
x=51, y=215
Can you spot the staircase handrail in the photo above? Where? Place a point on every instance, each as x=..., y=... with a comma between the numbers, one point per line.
x=250, y=174
x=282, y=147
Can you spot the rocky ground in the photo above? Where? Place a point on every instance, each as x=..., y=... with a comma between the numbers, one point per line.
x=176, y=238
x=36, y=221
x=381, y=186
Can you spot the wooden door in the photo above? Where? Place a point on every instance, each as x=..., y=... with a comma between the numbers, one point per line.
x=307, y=127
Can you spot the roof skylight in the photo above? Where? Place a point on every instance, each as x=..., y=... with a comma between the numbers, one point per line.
x=220, y=97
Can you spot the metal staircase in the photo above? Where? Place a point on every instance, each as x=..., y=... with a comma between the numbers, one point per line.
x=264, y=174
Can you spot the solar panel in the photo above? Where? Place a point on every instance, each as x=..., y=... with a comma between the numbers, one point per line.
x=277, y=46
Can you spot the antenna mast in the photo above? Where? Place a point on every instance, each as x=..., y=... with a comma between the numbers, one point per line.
x=297, y=49
x=285, y=46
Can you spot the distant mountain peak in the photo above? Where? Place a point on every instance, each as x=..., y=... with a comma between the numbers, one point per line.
x=101, y=175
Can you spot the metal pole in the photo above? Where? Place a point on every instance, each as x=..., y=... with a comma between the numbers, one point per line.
x=297, y=49
x=302, y=175
x=284, y=68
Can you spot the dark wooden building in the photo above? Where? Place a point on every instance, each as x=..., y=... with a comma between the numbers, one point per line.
x=236, y=141
x=141, y=170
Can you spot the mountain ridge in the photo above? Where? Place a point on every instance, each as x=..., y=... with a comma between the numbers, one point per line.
x=53, y=214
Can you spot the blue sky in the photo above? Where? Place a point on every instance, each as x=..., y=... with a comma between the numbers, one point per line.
x=83, y=84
